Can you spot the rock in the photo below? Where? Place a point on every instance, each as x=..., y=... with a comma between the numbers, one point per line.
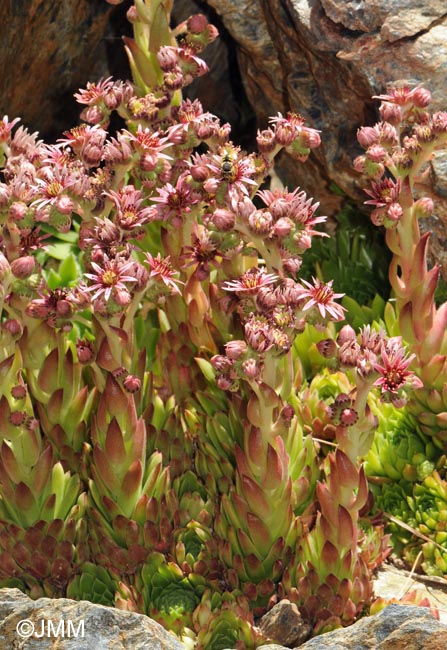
x=284, y=624
x=325, y=59
x=49, y=50
x=396, y=627
x=45, y=624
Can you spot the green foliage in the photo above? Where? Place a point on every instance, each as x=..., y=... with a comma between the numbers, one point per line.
x=355, y=257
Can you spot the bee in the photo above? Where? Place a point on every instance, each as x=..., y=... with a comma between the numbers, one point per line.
x=228, y=168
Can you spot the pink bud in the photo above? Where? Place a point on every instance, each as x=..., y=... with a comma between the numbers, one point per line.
x=421, y=97
x=394, y=212
x=439, y=122
x=18, y=210
x=64, y=204
x=14, y=327
x=250, y=368
x=391, y=113
x=234, y=349
x=23, y=267
x=131, y=14
x=199, y=173
x=84, y=350
x=266, y=140
x=132, y=384
x=376, y=153
x=224, y=383
x=92, y=114
x=367, y=136
x=292, y=265
x=18, y=392
x=359, y=164
x=148, y=162
x=167, y=58
x=283, y=227
x=424, y=207
x=197, y=23
x=260, y=222
x=347, y=333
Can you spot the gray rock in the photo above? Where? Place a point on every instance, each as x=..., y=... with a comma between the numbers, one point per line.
x=47, y=624
x=395, y=627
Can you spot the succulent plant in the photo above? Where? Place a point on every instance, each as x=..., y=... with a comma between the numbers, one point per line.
x=400, y=451
x=93, y=583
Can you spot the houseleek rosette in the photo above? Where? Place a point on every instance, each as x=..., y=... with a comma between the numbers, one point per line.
x=41, y=506
x=93, y=583
x=225, y=621
x=170, y=596
x=429, y=502
x=255, y=525
x=400, y=451
x=328, y=578
x=132, y=504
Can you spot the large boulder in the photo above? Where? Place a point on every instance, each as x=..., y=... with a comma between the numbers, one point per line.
x=45, y=624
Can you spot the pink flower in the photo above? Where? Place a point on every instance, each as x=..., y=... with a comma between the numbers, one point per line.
x=6, y=127
x=384, y=193
x=321, y=296
x=236, y=172
x=112, y=275
x=95, y=92
x=404, y=95
x=148, y=143
x=161, y=269
x=174, y=202
x=394, y=373
x=251, y=282
x=129, y=213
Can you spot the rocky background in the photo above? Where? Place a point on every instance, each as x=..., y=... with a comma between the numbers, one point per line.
x=321, y=58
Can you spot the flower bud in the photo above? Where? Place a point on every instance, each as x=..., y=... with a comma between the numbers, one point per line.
x=282, y=227
x=84, y=350
x=266, y=141
x=167, y=58
x=347, y=333
x=64, y=204
x=260, y=222
x=367, y=136
x=423, y=207
x=23, y=267
x=18, y=392
x=92, y=115
x=234, y=349
x=251, y=368
x=391, y=113
x=421, y=97
x=14, y=327
x=18, y=210
x=132, y=384
x=197, y=23
x=394, y=212
x=292, y=265
x=376, y=153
